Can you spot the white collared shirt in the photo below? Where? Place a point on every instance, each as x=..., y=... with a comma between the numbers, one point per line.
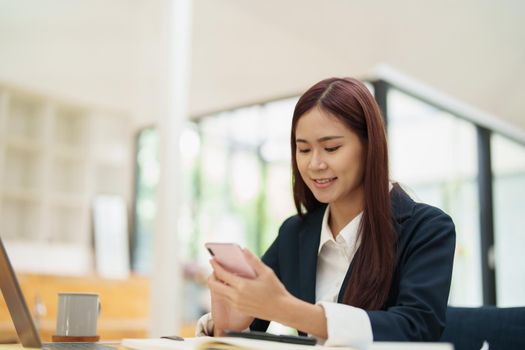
x=345, y=324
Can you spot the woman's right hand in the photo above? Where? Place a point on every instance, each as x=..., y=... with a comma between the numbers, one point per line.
x=224, y=315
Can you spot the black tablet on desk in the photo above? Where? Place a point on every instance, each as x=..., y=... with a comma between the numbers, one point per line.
x=292, y=339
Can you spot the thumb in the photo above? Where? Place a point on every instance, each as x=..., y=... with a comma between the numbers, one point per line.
x=254, y=262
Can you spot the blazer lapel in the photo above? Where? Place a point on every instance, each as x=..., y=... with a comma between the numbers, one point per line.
x=309, y=239
x=341, y=294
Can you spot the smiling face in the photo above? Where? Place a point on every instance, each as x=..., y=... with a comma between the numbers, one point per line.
x=330, y=158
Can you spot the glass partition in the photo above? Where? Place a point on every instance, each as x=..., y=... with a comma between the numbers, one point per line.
x=508, y=168
x=433, y=156
x=243, y=152
x=145, y=207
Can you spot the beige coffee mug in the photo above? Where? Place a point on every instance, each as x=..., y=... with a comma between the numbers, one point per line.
x=77, y=314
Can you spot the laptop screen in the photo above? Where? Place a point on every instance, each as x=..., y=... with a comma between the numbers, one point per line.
x=16, y=303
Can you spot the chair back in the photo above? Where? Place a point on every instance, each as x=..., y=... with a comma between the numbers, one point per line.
x=502, y=328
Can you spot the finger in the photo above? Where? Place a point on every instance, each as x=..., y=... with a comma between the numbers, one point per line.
x=222, y=274
x=212, y=277
x=216, y=266
x=220, y=289
x=255, y=262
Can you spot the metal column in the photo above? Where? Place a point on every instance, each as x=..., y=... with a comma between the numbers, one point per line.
x=486, y=217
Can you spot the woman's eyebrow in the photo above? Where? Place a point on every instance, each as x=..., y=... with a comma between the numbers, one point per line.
x=328, y=138
x=321, y=139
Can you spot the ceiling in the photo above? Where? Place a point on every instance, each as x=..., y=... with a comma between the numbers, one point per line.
x=246, y=51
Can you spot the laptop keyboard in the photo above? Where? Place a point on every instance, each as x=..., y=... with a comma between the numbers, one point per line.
x=77, y=346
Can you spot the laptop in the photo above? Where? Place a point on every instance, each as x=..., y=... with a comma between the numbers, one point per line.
x=22, y=320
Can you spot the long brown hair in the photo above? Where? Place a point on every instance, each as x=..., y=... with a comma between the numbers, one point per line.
x=350, y=101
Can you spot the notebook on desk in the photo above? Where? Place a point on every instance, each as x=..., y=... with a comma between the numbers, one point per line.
x=228, y=343
x=217, y=343
x=22, y=320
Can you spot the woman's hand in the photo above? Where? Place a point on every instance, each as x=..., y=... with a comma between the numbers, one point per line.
x=223, y=314
x=263, y=297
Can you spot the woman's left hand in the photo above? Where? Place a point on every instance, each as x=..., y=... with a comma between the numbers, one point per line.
x=263, y=297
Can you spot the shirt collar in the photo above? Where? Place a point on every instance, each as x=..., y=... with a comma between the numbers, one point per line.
x=348, y=234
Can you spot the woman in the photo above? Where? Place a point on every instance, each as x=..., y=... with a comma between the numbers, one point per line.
x=361, y=261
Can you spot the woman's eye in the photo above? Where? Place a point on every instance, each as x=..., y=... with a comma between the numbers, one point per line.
x=304, y=150
x=332, y=149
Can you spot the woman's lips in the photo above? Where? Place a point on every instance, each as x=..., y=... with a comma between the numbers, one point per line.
x=324, y=182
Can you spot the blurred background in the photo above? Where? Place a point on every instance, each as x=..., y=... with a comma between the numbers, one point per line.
x=131, y=132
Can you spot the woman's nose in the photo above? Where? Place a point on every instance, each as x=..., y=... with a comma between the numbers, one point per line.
x=317, y=163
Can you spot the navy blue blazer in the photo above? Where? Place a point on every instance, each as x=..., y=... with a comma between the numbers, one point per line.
x=417, y=302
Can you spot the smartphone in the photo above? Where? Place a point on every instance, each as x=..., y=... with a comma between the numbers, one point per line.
x=231, y=257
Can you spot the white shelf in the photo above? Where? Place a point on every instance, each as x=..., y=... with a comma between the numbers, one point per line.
x=55, y=157
x=24, y=195
x=24, y=144
x=21, y=169
x=71, y=126
x=24, y=116
x=69, y=200
x=68, y=175
x=51, y=258
x=68, y=224
x=19, y=218
x=70, y=153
